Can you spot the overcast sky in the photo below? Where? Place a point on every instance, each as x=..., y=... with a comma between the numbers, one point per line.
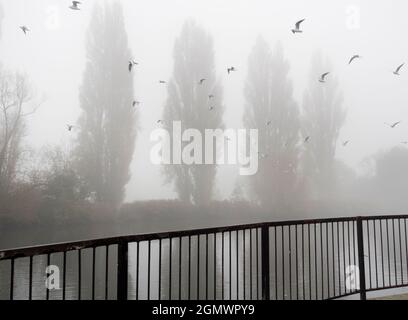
x=53, y=57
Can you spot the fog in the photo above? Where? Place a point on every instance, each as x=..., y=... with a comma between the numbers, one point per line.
x=53, y=58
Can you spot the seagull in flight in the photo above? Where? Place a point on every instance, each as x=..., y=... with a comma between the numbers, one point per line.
x=297, y=27
x=202, y=80
x=135, y=103
x=231, y=69
x=356, y=56
x=323, y=76
x=210, y=96
x=396, y=72
x=345, y=143
x=307, y=139
x=211, y=108
x=392, y=126
x=132, y=63
x=74, y=5
x=160, y=121
x=24, y=29
x=268, y=122
x=162, y=82
x=70, y=127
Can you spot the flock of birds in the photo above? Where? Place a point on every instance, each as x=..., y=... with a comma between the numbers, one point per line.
x=297, y=29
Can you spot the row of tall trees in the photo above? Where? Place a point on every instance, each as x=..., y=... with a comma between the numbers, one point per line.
x=297, y=145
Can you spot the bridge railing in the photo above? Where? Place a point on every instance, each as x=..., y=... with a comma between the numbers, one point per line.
x=303, y=259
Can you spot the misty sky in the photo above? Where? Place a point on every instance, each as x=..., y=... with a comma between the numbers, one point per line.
x=53, y=57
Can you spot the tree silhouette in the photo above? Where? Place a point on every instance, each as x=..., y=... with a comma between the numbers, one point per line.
x=323, y=117
x=189, y=102
x=270, y=107
x=107, y=124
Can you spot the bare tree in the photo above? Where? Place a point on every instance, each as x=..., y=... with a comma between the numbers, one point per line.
x=271, y=108
x=323, y=117
x=14, y=98
x=107, y=124
x=195, y=99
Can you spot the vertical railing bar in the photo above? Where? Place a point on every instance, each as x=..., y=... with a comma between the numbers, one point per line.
x=189, y=267
x=265, y=262
x=297, y=263
x=198, y=267
x=406, y=243
x=222, y=266
x=137, y=269
x=206, y=266
x=382, y=254
x=230, y=266
x=257, y=263
x=349, y=244
x=388, y=253
x=79, y=274
x=180, y=262
x=237, y=260
x=106, y=271
x=122, y=282
x=160, y=268
x=395, y=253
x=283, y=261
x=315, y=253
x=310, y=263
x=47, y=288
x=290, y=263
x=360, y=243
x=275, y=231
x=12, y=279
x=303, y=262
x=369, y=251
x=250, y=264
x=170, y=262
x=215, y=266
x=338, y=255
x=328, y=260
x=400, y=246
x=375, y=253
x=321, y=257
x=344, y=257
x=149, y=253
x=30, y=288
x=334, y=262
x=243, y=256
x=93, y=273
x=64, y=274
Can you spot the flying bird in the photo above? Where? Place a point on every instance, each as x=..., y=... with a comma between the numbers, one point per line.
x=356, y=56
x=307, y=139
x=74, y=5
x=210, y=96
x=231, y=69
x=396, y=72
x=131, y=64
x=404, y=142
x=162, y=82
x=135, y=103
x=211, y=108
x=202, y=81
x=24, y=29
x=323, y=76
x=345, y=143
x=70, y=127
x=160, y=121
x=297, y=27
x=268, y=122
x=392, y=126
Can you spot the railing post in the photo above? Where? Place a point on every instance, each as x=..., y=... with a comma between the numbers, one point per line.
x=361, y=266
x=122, y=283
x=265, y=262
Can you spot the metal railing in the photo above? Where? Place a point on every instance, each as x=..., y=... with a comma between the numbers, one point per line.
x=304, y=259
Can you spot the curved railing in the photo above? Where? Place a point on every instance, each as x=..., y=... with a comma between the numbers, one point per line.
x=303, y=259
